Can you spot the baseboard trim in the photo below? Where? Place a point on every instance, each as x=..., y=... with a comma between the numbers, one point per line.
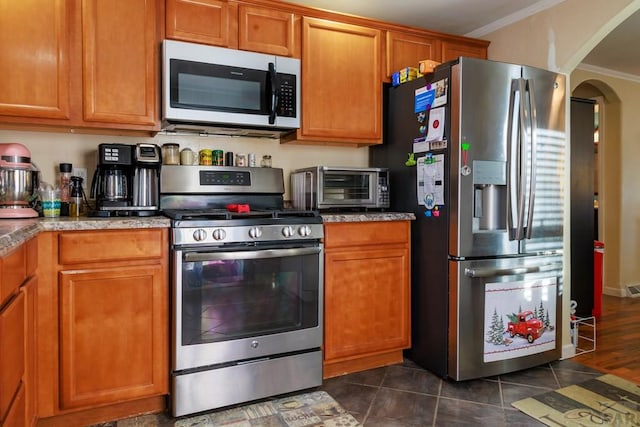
x=615, y=292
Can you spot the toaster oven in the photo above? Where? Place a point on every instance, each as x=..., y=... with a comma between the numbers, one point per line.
x=327, y=187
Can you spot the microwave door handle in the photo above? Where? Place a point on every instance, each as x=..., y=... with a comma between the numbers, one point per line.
x=275, y=93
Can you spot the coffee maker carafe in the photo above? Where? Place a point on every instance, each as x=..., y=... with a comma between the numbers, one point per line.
x=147, y=161
x=111, y=183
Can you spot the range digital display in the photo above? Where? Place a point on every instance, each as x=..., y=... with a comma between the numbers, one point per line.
x=239, y=178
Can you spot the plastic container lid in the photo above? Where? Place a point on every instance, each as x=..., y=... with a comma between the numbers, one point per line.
x=66, y=167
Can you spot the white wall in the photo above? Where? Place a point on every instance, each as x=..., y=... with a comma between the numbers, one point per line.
x=48, y=150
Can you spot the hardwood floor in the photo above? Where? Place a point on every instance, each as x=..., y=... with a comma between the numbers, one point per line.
x=617, y=339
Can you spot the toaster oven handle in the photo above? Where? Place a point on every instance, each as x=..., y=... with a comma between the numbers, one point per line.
x=275, y=93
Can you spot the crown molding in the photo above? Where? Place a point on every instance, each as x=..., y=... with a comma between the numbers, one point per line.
x=609, y=72
x=513, y=18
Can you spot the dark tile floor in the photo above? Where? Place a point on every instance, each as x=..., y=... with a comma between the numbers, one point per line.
x=407, y=395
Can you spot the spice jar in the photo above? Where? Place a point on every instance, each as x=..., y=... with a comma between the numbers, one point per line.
x=266, y=161
x=171, y=154
x=241, y=159
x=206, y=157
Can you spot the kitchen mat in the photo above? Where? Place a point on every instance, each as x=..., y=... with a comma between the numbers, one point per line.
x=310, y=409
x=603, y=401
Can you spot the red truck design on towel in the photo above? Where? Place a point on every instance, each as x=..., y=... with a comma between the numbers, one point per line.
x=526, y=325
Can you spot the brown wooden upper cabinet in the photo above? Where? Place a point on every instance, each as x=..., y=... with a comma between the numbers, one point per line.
x=213, y=22
x=269, y=31
x=406, y=49
x=234, y=25
x=91, y=63
x=453, y=49
x=341, y=83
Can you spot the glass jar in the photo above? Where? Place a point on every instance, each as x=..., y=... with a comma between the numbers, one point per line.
x=241, y=159
x=171, y=154
x=266, y=161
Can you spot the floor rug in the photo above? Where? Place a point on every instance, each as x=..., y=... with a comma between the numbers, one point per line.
x=603, y=401
x=304, y=410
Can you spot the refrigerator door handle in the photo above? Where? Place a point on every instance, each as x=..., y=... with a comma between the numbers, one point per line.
x=516, y=158
x=533, y=148
x=495, y=272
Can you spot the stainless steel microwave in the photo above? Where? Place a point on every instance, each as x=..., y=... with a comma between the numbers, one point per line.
x=326, y=187
x=225, y=91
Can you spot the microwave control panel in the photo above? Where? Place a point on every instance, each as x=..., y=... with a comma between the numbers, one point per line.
x=287, y=102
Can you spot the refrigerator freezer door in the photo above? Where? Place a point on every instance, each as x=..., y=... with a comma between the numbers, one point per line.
x=504, y=315
x=507, y=126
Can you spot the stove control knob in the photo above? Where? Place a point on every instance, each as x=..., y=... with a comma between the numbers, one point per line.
x=219, y=234
x=287, y=231
x=199, y=235
x=304, y=231
x=255, y=232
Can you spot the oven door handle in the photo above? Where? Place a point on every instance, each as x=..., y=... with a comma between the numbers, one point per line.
x=267, y=253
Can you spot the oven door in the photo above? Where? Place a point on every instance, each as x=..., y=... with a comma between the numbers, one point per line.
x=239, y=304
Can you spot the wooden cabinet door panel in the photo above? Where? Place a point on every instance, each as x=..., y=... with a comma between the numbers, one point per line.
x=120, y=61
x=267, y=30
x=12, y=342
x=12, y=272
x=366, y=301
x=452, y=50
x=213, y=22
x=341, y=81
x=406, y=50
x=113, y=335
x=34, y=63
x=16, y=415
x=29, y=290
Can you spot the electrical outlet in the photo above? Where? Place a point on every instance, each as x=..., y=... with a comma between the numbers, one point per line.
x=81, y=172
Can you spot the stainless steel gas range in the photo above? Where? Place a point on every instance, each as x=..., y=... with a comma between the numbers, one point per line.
x=246, y=279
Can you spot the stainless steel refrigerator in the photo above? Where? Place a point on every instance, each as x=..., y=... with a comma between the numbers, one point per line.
x=477, y=151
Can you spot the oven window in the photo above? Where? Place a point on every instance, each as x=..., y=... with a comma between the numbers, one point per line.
x=237, y=298
x=346, y=186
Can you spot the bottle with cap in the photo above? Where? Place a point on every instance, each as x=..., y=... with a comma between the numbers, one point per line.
x=65, y=187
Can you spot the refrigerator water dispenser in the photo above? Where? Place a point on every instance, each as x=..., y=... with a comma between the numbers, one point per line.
x=490, y=195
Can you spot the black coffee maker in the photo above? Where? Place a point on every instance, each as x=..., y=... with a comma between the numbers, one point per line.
x=111, y=186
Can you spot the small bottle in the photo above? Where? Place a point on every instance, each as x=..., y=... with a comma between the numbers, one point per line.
x=252, y=160
x=65, y=187
x=76, y=203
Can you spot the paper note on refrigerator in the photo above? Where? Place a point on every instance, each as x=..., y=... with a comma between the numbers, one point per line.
x=436, y=124
x=430, y=183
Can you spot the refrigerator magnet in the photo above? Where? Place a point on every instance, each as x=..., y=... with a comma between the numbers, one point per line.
x=423, y=99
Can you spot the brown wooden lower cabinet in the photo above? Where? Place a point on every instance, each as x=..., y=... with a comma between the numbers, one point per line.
x=107, y=293
x=367, y=295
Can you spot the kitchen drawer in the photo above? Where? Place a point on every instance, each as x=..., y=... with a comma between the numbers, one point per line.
x=12, y=272
x=110, y=245
x=366, y=233
x=12, y=341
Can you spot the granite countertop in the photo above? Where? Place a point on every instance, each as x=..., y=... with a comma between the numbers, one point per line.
x=366, y=216
x=14, y=232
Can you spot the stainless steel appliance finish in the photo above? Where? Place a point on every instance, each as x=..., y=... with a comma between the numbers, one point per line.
x=247, y=287
x=19, y=179
x=488, y=197
x=326, y=187
x=209, y=89
x=147, y=163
